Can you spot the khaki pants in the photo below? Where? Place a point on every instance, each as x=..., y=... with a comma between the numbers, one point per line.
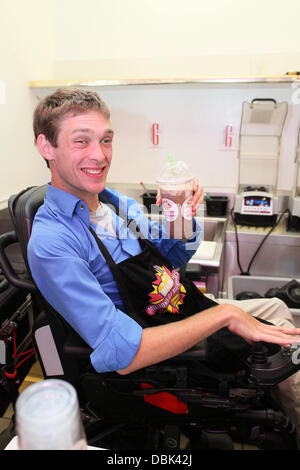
x=275, y=311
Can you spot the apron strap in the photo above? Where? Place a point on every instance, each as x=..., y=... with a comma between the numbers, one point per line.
x=116, y=275
x=103, y=249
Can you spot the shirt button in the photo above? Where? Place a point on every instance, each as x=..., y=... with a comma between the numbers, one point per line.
x=81, y=207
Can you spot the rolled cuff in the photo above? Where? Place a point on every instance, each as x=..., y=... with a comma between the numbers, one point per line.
x=118, y=349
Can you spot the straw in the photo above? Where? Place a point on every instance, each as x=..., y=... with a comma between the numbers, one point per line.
x=172, y=164
x=145, y=189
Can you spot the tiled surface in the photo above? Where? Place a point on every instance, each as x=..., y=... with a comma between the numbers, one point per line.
x=6, y=419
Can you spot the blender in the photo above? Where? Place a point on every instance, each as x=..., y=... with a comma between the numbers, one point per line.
x=262, y=122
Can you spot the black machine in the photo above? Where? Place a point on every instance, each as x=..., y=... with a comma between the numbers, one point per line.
x=153, y=407
x=256, y=206
x=289, y=293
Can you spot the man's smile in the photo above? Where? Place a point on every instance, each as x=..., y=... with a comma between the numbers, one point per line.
x=94, y=171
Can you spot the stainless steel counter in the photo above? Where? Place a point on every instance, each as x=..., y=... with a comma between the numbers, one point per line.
x=279, y=255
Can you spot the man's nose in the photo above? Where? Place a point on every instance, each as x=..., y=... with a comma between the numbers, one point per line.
x=97, y=152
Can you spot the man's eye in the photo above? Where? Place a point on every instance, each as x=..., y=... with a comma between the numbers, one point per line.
x=80, y=141
x=106, y=140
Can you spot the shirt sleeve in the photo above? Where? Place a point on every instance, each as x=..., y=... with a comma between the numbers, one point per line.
x=68, y=284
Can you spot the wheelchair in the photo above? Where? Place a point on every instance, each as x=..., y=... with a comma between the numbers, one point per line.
x=160, y=406
x=14, y=314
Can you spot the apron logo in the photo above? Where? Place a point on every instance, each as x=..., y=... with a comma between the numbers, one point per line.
x=168, y=292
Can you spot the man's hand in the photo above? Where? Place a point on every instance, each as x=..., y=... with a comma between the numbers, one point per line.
x=252, y=330
x=198, y=196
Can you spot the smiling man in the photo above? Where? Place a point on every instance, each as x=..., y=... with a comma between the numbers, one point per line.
x=73, y=170
x=79, y=156
x=103, y=280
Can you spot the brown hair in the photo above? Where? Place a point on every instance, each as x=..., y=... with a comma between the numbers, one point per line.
x=64, y=102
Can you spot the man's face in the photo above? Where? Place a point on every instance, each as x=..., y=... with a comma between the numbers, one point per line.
x=82, y=158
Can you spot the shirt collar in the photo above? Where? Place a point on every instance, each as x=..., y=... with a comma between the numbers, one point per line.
x=66, y=202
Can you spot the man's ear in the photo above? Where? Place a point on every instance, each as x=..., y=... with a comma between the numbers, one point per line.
x=44, y=147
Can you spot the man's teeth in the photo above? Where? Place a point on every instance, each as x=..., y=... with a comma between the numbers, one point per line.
x=92, y=172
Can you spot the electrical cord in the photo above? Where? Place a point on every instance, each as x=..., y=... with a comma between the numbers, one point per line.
x=247, y=273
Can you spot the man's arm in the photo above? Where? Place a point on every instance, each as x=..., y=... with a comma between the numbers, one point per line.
x=66, y=281
x=165, y=341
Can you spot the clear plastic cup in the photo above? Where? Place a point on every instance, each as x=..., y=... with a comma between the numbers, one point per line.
x=176, y=184
x=48, y=417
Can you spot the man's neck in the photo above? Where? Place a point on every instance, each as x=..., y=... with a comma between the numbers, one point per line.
x=92, y=202
x=94, y=207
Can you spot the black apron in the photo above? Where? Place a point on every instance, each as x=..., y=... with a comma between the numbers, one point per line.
x=154, y=293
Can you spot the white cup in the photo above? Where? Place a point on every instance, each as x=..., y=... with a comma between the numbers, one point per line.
x=48, y=417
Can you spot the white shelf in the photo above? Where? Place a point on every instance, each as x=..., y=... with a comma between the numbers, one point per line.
x=162, y=81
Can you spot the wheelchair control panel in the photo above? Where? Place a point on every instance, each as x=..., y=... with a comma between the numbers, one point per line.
x=267, y=370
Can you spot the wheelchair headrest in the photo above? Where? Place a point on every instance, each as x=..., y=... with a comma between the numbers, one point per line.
x=23, y=207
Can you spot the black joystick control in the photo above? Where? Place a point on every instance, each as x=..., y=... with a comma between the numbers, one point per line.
x=259, y=354
x=266, y=370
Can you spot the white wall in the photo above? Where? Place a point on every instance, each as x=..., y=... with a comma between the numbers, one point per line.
x=26, y=50
x=71, y=39
x=165, y=38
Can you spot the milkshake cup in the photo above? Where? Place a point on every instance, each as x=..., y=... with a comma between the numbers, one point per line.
x=176, y=184
x=48, y=417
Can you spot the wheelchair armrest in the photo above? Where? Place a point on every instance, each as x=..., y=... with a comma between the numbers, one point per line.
x=75, y=347
x=7, y=239
x=191, y=354
x=197, y=352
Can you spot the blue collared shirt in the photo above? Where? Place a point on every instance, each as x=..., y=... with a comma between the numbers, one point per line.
x=74, y=278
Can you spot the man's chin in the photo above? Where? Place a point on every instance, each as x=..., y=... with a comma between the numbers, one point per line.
x=97, y=187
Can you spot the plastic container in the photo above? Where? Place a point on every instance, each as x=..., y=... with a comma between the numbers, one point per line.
x=48, y=417
x=176, y=184
x=216, y=205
